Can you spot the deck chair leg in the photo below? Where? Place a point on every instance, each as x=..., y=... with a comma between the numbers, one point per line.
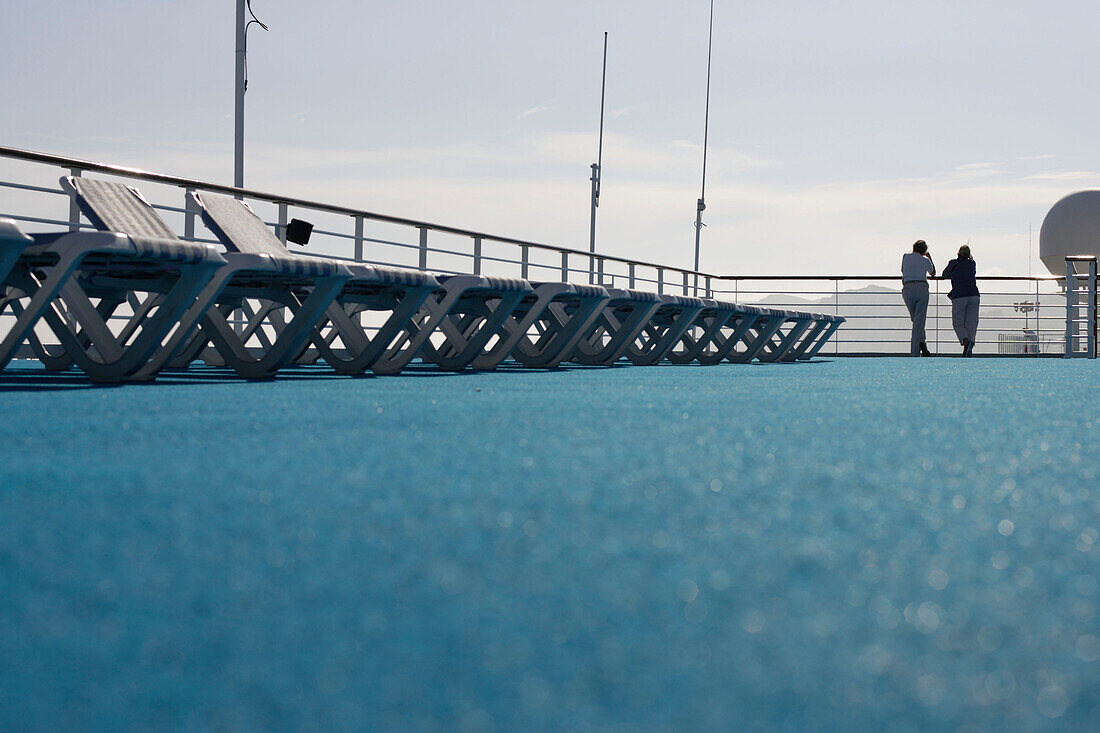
x=289, y=341
x=813, y=350
x=726, y=345
x=757, y=344
x=571, y=329
x=785, y=344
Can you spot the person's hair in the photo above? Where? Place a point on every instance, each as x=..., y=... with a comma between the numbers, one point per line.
x=964, y=252
x=920, y=247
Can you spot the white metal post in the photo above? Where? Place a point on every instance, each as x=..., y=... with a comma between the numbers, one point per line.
x=238, y=109
x=525, y=262
x=280, y=231
x=1091, y=316
x=1071, y=310
x=358, y=238
x=189, y=217
x=592, y=231
x=74, y=210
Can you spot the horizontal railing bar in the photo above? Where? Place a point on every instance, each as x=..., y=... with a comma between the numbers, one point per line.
x=27, y=187
x=137, y=173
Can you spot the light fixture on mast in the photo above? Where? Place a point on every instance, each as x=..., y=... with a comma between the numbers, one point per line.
x=702, y=204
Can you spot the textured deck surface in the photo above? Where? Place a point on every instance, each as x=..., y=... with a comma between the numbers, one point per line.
x=859, y=543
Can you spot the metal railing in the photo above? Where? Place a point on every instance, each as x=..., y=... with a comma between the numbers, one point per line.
x=1019, y=315
x=438, y=247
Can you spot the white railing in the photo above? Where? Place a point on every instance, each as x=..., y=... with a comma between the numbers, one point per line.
x=1015, y=311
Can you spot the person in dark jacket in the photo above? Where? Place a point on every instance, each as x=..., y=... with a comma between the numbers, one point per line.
x=964, y=297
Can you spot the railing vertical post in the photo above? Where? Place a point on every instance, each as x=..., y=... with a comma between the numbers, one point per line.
x=660, y=281
x=936, y=318
x=477, y=255
x=525, y=261
x=422, y=263
x=565, y=267
x=836, y=311
x=709, y=292
x=687, y=284
x=189, y=217
x=631, y=276
x=358, y=239
x=599, y=269
x=280, y=231
x=74, y=210
x=1038, y=332
x=1092, y=309
x=1071, y=307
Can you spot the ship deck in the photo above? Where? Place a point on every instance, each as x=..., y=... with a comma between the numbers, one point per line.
x=851, y=543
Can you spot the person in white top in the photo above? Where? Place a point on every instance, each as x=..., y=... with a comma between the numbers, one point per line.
x=916, y=266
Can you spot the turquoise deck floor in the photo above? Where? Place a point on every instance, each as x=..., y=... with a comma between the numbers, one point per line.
x=894, y=544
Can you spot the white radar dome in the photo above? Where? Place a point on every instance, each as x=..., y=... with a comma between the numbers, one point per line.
x=1071, y=227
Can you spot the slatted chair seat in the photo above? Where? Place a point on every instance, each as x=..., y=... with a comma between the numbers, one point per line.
x=272, y=277
x=138, y=264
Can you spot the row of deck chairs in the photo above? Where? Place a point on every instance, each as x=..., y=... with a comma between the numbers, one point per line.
x=131, y=298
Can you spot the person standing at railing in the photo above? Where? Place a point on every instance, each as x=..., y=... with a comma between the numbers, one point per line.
x=916, y=266
x=964, y=297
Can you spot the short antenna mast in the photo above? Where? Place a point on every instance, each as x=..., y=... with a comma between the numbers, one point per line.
x=702, y=205
x=597, y=169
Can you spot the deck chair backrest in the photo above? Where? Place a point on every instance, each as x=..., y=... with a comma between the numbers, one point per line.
x=237, y=227
x=116, y=207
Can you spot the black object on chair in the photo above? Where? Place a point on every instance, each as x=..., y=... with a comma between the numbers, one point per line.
x=298, y=231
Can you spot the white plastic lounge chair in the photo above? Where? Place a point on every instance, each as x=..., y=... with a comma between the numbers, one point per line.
x=468, y=312
x=546, y=325
x=794, y=324
x=668, y=323
x=340, y=337
x=77, y=283
x=617, y=326
x=717, y=332
x=277, y=279
x=811, y=343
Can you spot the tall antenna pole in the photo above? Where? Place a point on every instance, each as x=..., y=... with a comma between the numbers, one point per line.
x=241, y=87
x=597, y=168
x=706, y=129
x=238, y=109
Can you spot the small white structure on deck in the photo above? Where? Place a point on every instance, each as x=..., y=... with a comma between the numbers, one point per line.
x=1071, y=228
x=1069, y=246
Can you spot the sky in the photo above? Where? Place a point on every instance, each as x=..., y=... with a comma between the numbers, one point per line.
x=839, y=132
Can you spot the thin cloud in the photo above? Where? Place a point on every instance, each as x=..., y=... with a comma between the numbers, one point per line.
x=533, y=111
x=1061, y=176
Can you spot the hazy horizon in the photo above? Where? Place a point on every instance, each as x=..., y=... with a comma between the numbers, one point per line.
x=837, y=136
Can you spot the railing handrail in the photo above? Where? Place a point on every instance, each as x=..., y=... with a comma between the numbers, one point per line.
x=140, y=174
x=1027, y=278
x=144, y=175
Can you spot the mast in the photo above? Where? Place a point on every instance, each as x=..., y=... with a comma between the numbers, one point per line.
x=240, y=87
x=597, y=168
x=702, y=205
x=238, y=106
